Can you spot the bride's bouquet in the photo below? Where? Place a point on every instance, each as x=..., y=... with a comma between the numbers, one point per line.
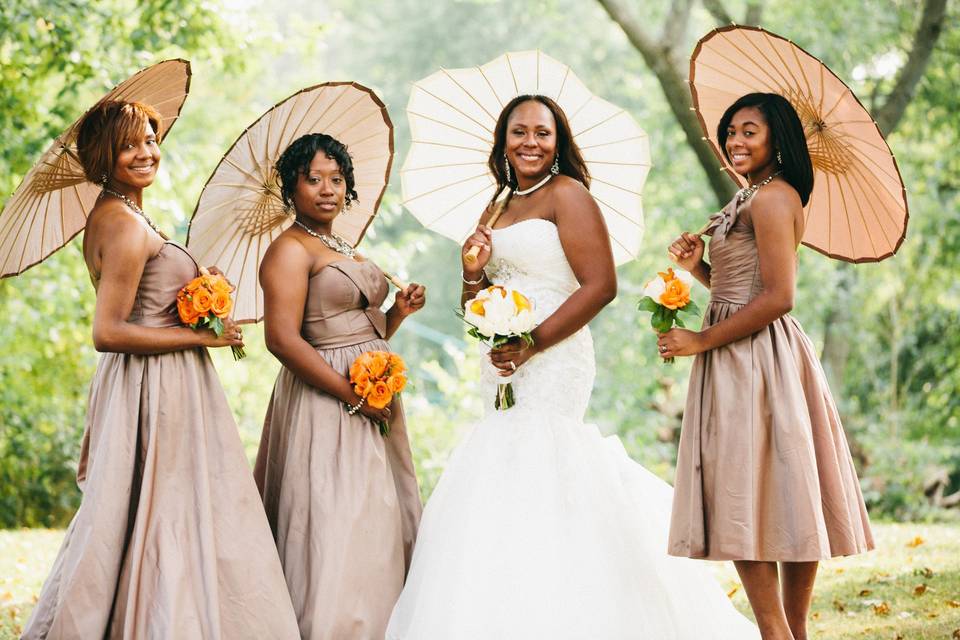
x=496, y=315
x=667, y=296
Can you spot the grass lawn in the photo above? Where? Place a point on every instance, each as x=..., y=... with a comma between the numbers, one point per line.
x=908, y=589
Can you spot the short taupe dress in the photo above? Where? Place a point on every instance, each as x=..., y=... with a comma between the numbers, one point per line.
x=342, y=500
x=764, y=471
x=170, y=541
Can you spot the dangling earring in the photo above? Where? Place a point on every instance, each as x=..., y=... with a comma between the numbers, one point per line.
x=348, y=202
x=555, y=169
x=104, y=179
x=779, y=157
x=506, y=165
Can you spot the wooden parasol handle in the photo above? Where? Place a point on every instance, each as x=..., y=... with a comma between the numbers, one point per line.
x=395, y=281
x=471, y=256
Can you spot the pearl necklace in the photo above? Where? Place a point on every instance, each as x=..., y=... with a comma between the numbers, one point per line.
x=534, y=187
x=747, y=192
x=133, y=206
x=334, y=242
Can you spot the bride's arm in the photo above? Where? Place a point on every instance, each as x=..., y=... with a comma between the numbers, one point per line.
x=586, y=244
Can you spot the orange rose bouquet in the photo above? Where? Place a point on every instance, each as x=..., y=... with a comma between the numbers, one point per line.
x=204, y=303
x=667, y=296
x=376, y=377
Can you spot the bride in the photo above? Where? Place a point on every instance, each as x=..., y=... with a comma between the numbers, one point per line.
x=540, y=528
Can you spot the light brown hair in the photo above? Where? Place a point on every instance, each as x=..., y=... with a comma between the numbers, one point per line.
x=106, y=129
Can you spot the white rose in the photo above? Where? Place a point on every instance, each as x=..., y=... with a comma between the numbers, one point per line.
x=655, y=288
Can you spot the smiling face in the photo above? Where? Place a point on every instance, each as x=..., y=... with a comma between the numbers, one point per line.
x=749, y=146
x=137, y=161
x=320, y=192
x=531, y=142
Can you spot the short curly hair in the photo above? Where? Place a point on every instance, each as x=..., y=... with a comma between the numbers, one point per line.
x=296, y=158
x=106, y=129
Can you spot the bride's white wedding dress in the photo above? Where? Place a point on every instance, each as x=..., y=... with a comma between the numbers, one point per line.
x=541, y=528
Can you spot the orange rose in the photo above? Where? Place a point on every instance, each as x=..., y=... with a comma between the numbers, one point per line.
x=397, y=364
x=219, y=283
x=677, y=294
x=397, y=382
x=378, y=363
x=361, y=380
x=221, y=305
x=188, y=315
x=202, y=301
x=379, y=395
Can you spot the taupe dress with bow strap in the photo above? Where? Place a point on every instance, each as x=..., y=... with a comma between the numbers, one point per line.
x=342, y=500
x=763, y=470
x=170, y=541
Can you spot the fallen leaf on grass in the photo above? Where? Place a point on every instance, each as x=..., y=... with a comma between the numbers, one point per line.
x=881, y=609
x=839, y=605
x=920, y=589
x=953, y=603
x=956, y=634
x=865, y=592
x=916, y=542
x=926, y=572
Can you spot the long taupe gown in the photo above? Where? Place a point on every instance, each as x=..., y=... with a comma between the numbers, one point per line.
x=170, y=541
x=764, y=471
x=342, y=500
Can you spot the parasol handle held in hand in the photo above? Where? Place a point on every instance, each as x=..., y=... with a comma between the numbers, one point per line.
x=395, y=281
x=471, y=256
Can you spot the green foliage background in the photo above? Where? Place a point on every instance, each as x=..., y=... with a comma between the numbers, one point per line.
x=899, y=396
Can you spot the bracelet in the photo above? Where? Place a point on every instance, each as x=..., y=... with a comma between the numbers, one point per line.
x=472, y=282
x=352, y=410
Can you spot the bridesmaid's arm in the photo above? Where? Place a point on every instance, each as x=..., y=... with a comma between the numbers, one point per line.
x=124, y=246
x=406, y=302
x=284, y=277
x=586, y=245
x=776, y=214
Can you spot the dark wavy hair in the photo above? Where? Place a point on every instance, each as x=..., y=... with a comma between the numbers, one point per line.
x=571, y=162
x=786, y=136
x=296, y=158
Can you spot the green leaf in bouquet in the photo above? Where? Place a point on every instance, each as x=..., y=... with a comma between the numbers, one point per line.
x=691, y=308
x=679, y=322
x=217, y=325
x=648, y=304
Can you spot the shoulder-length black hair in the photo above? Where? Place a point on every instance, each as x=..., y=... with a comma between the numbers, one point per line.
x=296, y=158
x=786, y=136
x=571, y=161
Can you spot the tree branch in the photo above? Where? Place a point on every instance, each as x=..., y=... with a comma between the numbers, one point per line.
x=754, y=13
x=717, y=10
x=675, y=26
x=924, y=39
x=673, y=80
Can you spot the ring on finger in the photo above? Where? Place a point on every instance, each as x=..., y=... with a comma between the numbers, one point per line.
x=513, y=365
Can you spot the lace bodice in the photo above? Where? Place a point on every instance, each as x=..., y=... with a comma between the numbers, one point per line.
x=528, y=256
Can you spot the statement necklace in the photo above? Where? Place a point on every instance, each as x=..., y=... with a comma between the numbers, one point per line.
x=133, y=206
x=336, y=243
x=744, y=194
x=534, y=187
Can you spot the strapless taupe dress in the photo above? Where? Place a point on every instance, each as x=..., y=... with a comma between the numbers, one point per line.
x=342, y=500
x=763, y=470
x=170, y=540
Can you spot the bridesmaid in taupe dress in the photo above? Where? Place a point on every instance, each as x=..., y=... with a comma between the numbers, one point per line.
x=170, y=540
x=764, y=474
x=342, y=499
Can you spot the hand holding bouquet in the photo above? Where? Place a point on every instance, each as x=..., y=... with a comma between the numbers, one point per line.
x=667, y=296
x=204, y=303
x=496, y=315
x=376, y=376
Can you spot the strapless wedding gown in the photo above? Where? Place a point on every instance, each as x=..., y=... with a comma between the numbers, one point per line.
x=540, y=527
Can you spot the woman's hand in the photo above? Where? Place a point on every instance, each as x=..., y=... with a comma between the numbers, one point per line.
x=507, y=358
x=410, y=300
x=687, y=250
x=680, y=342
x=232, y=335
x=377, y=415
x=482, y=238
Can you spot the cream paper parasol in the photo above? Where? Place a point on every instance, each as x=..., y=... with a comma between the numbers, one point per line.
x=858, y=208
x=453, y=112
x=50, y=206
x=241, y=211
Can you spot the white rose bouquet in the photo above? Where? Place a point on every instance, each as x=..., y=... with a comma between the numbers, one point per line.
x=496, y=315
